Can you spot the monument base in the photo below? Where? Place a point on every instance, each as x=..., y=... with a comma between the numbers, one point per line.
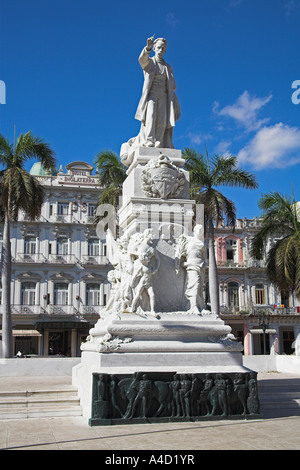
x=132, y=366
x=152, y=396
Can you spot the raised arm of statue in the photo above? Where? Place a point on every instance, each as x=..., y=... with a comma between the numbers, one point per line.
x=144, y=56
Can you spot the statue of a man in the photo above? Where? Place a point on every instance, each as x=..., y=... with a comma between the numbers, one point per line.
x=158, y=109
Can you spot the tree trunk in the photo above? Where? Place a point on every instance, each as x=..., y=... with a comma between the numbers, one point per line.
x=7, y=346
x=213, y=272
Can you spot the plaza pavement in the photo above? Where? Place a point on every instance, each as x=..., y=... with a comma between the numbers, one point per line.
x=74, y=433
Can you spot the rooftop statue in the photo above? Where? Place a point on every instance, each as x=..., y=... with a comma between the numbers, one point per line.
x=158, y=109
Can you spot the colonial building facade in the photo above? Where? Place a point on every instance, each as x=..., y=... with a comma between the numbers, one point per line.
x=263, y=318
x=59, y=266
x=59, y=275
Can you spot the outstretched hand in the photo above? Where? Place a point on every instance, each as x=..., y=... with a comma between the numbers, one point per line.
x=150, y=42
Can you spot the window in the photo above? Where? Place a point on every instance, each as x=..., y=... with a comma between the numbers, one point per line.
x=93, y=294
x=30, y=245
x=260, y=294
x=92, y=210
x=61, y=293
x=231, y=252
x=28, y=293
x=62, y=208
x=62, y=246
x=93, y=247
x=233, y=294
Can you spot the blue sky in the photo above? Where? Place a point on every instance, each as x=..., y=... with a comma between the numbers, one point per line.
x=72, y=77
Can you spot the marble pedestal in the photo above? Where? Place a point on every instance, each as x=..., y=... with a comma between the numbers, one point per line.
x=176, y=343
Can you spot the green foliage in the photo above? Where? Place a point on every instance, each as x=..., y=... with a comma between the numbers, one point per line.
x=280, y=219
x=112, y=174
x=19, y=190
x=207, y=174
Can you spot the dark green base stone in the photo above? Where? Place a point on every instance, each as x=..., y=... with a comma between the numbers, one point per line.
x=164, y=397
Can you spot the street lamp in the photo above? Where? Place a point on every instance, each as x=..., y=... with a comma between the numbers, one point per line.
x=264, y=322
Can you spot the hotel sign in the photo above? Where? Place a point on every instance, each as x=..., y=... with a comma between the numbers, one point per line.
x=78, y=173
x=78, y=177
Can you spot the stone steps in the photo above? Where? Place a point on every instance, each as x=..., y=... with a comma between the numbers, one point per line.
x=39, y=404
x=279, y=397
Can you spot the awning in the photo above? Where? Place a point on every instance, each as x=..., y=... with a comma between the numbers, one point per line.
x=24, y=333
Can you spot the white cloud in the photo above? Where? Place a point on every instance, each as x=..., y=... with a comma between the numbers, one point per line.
x=195, y=138
x=290, y=6
x=245, y=110
x=172, y=19
x=274, y=146
x=223, y=148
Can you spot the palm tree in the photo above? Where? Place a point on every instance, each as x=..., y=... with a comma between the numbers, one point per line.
x=205, y=175
x=19, y=190
x=280, y=218
x=112, y=174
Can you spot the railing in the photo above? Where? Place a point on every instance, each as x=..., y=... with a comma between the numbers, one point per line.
x=241, y=223
x=257, y=309
x=61, y=310
x=250, y=263
x=100, y=259
x=255, y=263
x=55, y=310
x=65, y=259
x=90, y=309
x=228, y=264
x=63, y=218
x=31, y=258
x=27, y=309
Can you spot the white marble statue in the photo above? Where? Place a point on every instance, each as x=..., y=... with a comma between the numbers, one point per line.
x=135, y=261
x=145, y=266
x=189, y=255
x=158, y=109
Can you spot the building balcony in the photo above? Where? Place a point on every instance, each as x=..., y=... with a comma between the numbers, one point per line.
x=255, y=263
x=30, y=258
x=27, y=310
x=251, y=263
x=91, y=309
x=61, y=310
x=228, y=264
x=258, y=309
x=63, y=218
x=100, y=259
x=63, y=259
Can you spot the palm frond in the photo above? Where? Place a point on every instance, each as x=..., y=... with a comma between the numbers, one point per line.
x=226, y=172
x=283, y=264
x=30, y=147
x=110, y=167
x=25, y=193
x=6, y=151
